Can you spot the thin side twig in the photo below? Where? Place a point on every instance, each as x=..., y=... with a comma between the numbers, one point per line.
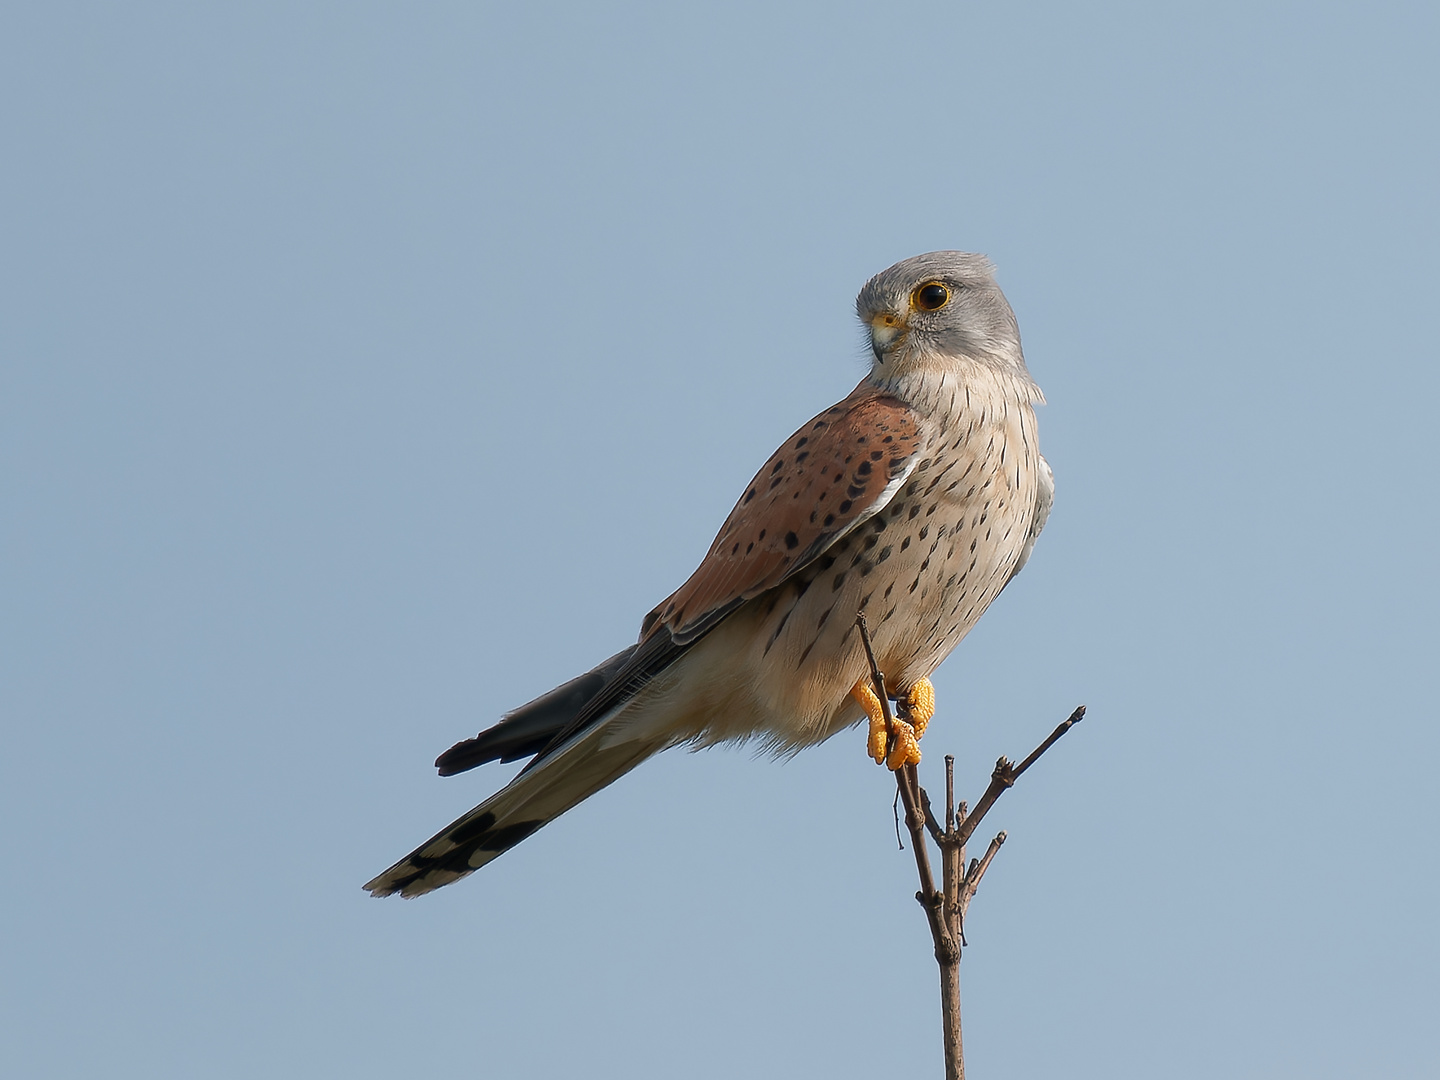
x=937, y=832
x=1050, y=740
x=1006, y=773
x=977, y=871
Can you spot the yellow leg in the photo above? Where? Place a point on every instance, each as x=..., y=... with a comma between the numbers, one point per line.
x=906, y=750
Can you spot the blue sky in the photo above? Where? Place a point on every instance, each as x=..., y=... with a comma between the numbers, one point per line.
x=366, y=370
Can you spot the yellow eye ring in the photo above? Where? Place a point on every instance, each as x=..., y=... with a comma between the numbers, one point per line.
x=931, y=296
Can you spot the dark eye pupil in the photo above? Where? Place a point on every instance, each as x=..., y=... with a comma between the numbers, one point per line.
x=933, y=296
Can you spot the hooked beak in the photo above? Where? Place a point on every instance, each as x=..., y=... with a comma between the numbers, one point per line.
x=885, y=330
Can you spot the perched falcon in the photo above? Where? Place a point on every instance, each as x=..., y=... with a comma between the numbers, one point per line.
x=915, y=500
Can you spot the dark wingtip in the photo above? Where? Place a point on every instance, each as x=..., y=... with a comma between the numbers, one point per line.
x=460, y=757
x=526, y=731
x=487, y=747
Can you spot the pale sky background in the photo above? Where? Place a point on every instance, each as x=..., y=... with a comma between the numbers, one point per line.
x=369, y=369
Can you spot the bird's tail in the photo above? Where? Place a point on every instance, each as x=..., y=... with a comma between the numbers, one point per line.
x=596, y=756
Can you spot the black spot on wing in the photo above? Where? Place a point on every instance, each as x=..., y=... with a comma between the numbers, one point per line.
x=507, y=836
x=470, y=829
x=474, y=836
x=457, y=861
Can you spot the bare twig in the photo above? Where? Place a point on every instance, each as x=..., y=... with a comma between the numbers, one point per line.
x=1005, y=774
x=945, y=910
x=976, y=872
x=909, y=784
x=937, y=833
x=1050, y=740
x=949, y=792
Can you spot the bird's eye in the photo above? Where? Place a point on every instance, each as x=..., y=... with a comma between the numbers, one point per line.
x=931, y=296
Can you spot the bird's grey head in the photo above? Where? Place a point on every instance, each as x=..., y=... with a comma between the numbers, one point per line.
x=941, y=305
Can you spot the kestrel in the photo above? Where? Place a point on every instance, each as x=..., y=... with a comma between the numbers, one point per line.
x=915, y=500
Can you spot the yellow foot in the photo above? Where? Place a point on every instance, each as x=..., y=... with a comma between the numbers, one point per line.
x=919, y=705
x=864, y=693
x=906, y=751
